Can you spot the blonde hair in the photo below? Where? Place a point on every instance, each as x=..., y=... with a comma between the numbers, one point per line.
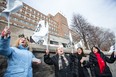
x=58, y=48
x=17, y=42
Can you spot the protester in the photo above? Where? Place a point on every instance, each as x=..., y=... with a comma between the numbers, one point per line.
x=19, y=57
x=79, y=67
x=61, y=62
x=97, y=61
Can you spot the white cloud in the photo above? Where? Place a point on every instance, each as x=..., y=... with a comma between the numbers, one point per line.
x=98, y=12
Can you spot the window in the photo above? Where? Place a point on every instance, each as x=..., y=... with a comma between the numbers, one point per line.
x=64, y=45
x=30, y=10
x=53, y=42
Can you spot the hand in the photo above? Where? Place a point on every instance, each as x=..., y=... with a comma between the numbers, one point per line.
x=115, y=53
x=83, y=59
x=5, y=32
x=47, y=52
x=72, y=51
x=35, y=60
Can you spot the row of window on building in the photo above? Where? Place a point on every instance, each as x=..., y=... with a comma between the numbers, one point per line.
x=53, y=30
x=36, y=14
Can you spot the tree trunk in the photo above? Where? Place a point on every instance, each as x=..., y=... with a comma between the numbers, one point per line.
x=85, y=42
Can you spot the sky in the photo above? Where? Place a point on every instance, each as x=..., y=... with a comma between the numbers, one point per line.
x=100, y=13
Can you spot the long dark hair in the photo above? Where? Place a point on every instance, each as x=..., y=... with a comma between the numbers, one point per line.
x=96, y=48
x=82, y=54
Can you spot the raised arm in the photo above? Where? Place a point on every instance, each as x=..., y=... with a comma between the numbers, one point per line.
x=47, y=59
x=111, y=59
x=5, y=49
x=115, y=55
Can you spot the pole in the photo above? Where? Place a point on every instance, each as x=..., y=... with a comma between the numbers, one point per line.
x=47, y=36
x=114, y=45
x=114, y=49
x=47, y=42
x=9, y=21
x=72, y=51
x=8, y=6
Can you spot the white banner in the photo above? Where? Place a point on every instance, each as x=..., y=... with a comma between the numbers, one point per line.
x=41, y=32
x=12, y=7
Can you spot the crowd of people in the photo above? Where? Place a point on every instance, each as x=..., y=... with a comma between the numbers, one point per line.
x=20, y=59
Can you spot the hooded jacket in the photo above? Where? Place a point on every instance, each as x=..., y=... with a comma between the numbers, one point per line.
x=19, y=59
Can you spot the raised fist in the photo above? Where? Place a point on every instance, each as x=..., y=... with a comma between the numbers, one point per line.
x=47, y=52
x=5, y=32
x=115, y=54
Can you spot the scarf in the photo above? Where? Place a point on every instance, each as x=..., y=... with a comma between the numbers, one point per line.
x=60, y=62
x=22, y=47
x=100, y=62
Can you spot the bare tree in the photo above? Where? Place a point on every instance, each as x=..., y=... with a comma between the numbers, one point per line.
x=80, y=25
x=92, y=35
x=100, y=37
x=106, y=39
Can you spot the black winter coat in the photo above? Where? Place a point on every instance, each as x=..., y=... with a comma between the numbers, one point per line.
x=94, y=66
x=65, y=72
x=77, y=69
